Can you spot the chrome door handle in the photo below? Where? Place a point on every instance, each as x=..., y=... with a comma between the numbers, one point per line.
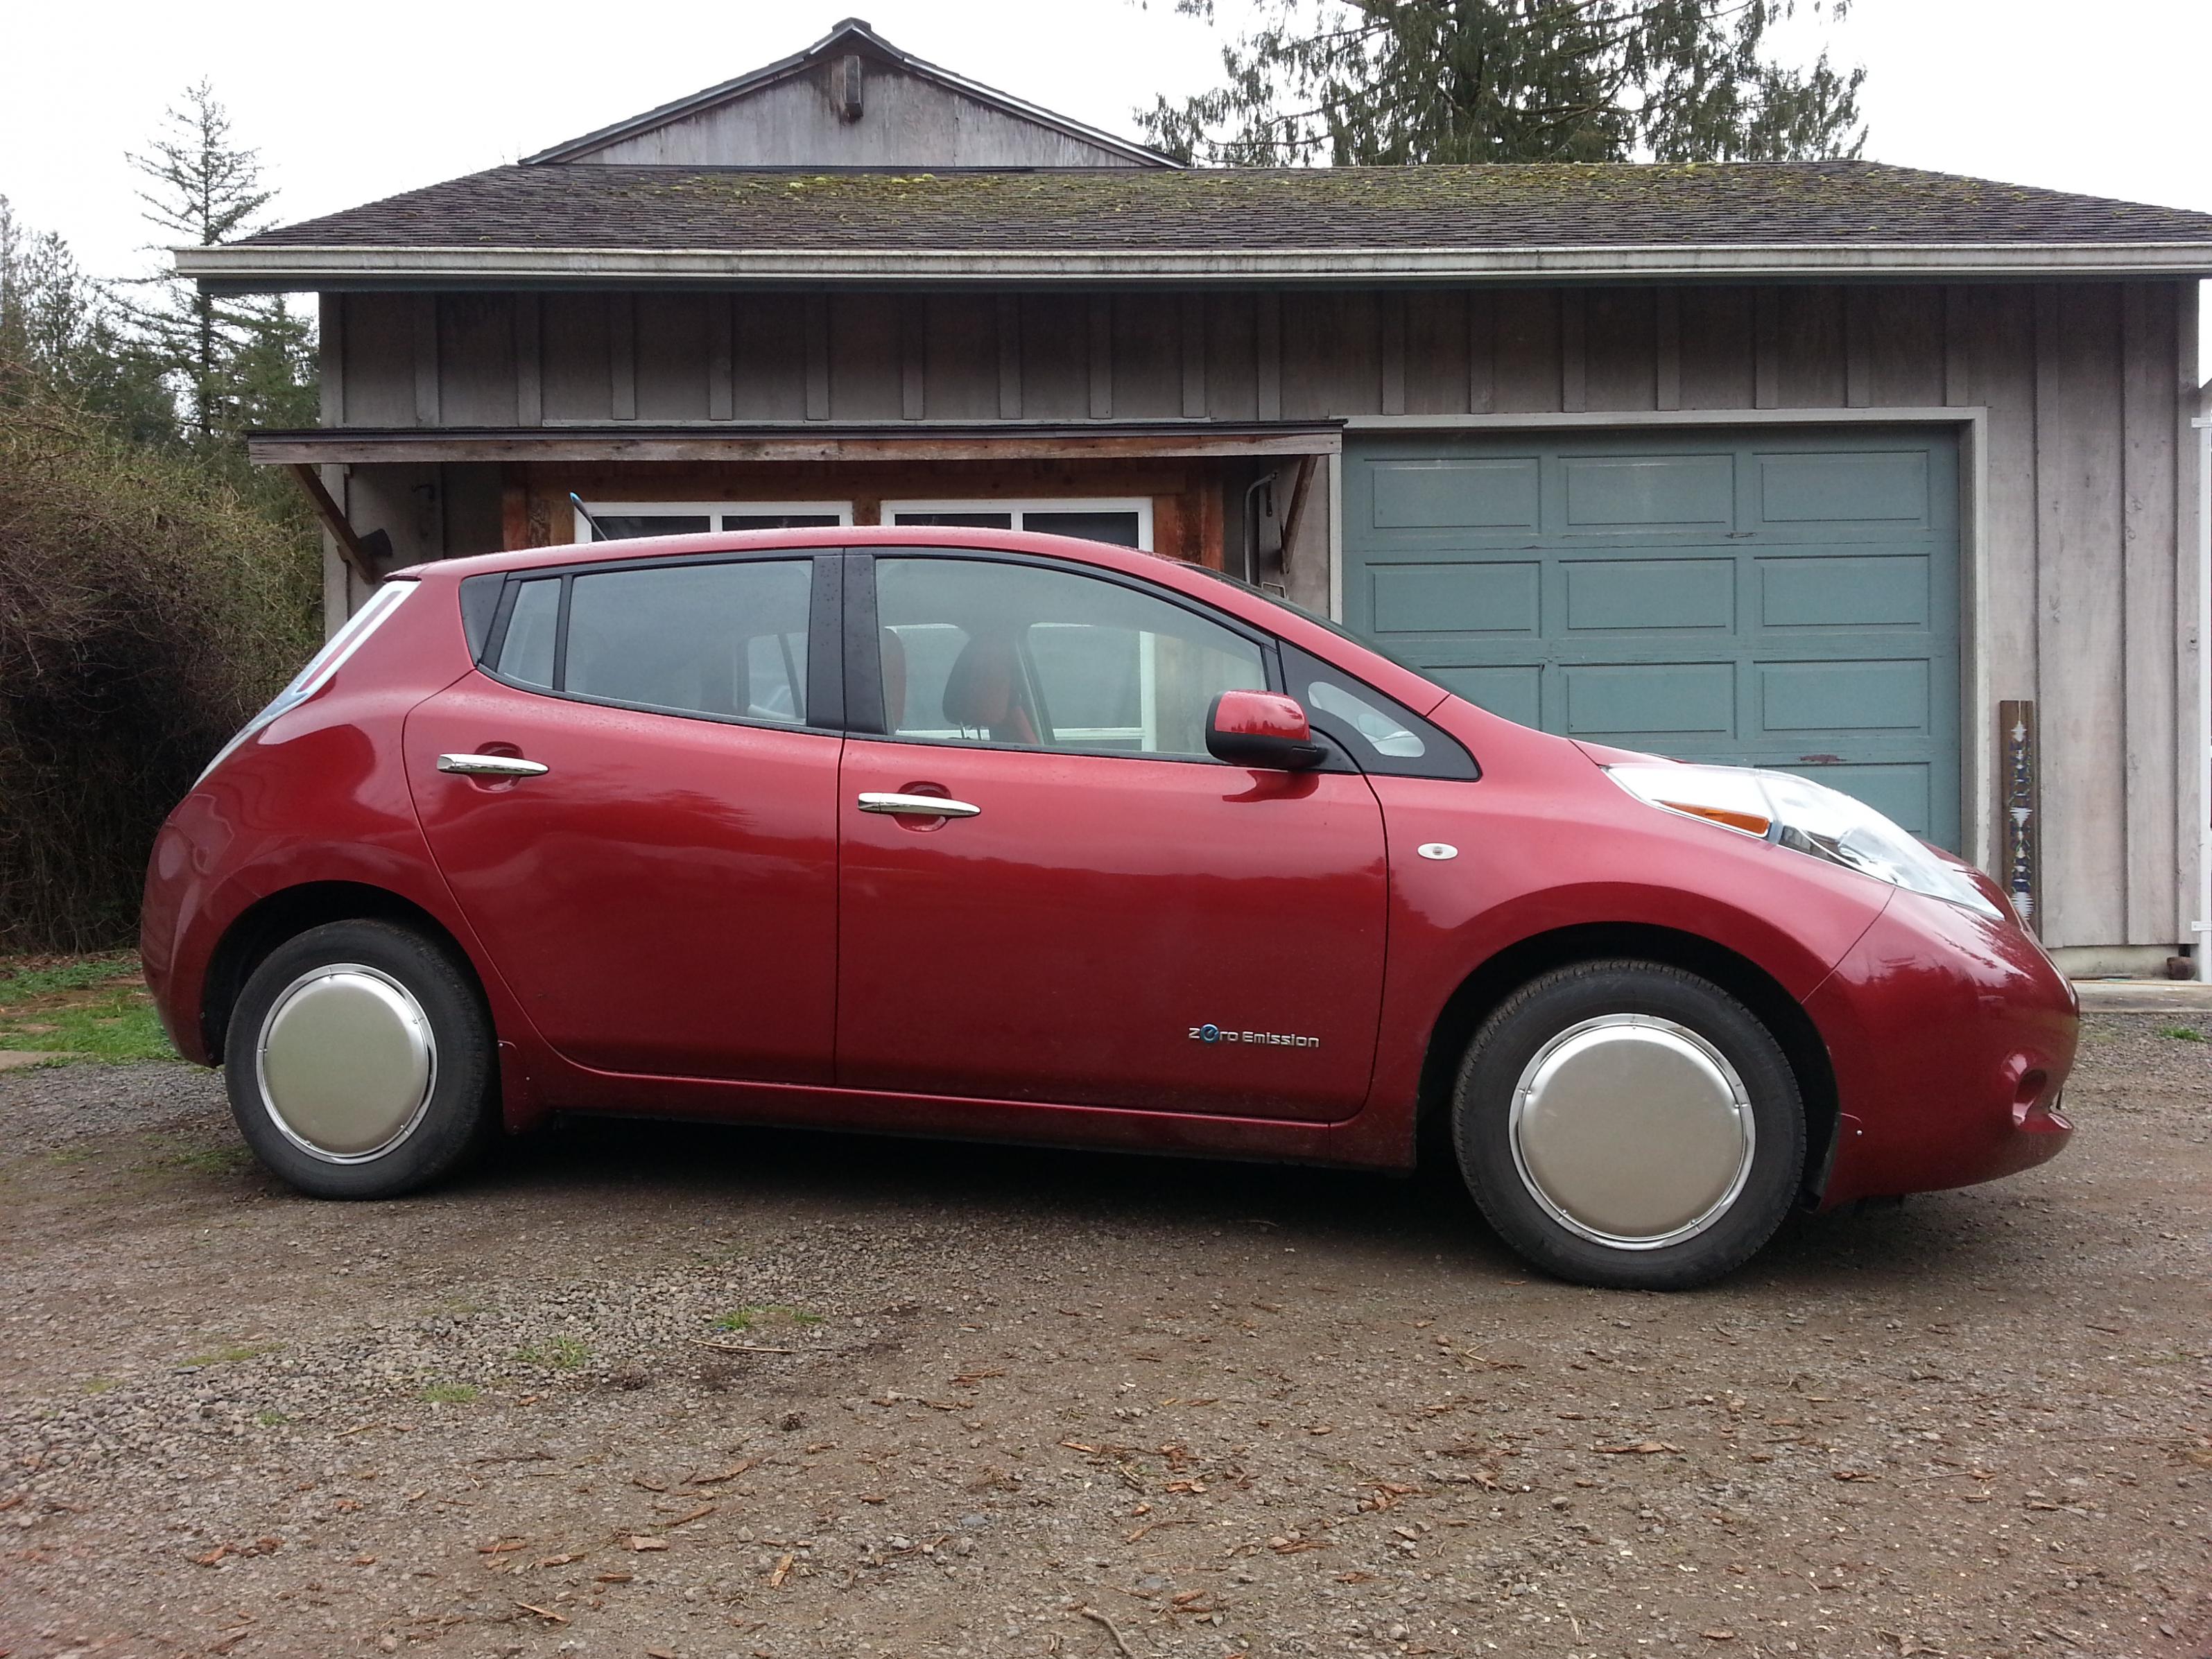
x=917, y=806
x=493, y=766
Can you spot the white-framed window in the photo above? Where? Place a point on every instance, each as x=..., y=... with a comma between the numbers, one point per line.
x=620, y=520
x=1123, y=521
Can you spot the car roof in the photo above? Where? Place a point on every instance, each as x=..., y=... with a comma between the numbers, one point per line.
x=1209, y=586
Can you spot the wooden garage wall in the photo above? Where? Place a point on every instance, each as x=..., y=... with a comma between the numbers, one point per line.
x=2088, y=516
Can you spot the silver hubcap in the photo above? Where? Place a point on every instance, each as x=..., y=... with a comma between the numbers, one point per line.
x=346, y=1063
x=1632, y=1131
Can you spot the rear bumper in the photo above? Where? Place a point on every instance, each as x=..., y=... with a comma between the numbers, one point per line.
x=1951, y=1035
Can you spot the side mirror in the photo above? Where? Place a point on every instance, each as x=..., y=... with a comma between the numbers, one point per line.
x=1262, y=729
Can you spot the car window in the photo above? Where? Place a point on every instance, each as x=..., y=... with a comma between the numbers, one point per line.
x=525, y=655
x=728, y=639
x=1377, y=730
x=1025, y=656
x=1378, y=734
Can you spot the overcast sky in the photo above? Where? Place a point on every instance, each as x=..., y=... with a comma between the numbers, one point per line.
x=349, y=103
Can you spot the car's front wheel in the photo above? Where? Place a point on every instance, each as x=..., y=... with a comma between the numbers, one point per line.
x=1629, y=1124
x=360, y=1061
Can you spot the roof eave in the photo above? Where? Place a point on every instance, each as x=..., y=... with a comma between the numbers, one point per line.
x=247, y=268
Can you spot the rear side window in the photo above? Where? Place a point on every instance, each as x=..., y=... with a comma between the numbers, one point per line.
x=723, y=640
x=525, y=655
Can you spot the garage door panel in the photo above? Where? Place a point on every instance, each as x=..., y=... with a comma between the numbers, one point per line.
x=1844, y=696
x=1672, y=494
x=1455, y=495
x=1511, y=693
x=1845, y=488
x=1754, y=597
x=1617, y=701
x=1650, y=594
x=1844, y=591
x=1456, y=599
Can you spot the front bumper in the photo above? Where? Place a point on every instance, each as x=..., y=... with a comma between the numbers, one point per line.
x=1951, y=1035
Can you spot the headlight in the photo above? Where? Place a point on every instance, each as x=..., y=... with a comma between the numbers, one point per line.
x=1805, y=817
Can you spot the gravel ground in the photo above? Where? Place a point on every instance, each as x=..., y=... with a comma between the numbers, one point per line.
x=989, y=1402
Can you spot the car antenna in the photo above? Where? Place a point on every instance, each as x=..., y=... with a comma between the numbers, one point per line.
x=584, y=513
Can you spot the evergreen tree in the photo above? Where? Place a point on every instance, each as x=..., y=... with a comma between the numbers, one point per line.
x=64, y=328
x=238, y=362
x=1366, y=82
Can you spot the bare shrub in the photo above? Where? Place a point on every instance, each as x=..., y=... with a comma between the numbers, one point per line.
x=145, y=613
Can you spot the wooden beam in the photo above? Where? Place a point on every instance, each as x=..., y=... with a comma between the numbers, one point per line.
x=397, y=445
x=334, y=520
x=1301, y=486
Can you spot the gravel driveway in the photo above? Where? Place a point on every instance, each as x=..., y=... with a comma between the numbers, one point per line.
x=641, y=1390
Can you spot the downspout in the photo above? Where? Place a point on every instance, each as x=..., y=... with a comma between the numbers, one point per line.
x=2201, y=928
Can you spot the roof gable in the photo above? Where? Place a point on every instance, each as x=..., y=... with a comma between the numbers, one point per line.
x=851, y=99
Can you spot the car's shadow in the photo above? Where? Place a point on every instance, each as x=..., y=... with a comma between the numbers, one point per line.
x=1939, y=1241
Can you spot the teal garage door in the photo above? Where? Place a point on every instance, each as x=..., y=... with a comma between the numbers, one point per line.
x=1784, y=601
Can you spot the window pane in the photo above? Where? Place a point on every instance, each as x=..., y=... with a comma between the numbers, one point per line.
x=779, y=520
x=959, y=521
x=980, y=651
x=714, y=638
x=621, y=527
x=1378, y=731
x=527, y=654
x=1118, y=529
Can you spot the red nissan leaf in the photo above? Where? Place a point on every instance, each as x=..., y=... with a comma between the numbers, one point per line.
x=1005, y=836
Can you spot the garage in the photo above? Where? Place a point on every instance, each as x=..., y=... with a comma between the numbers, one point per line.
x=1752, y=597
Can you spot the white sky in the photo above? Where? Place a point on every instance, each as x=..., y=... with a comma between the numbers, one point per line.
x=347, y=103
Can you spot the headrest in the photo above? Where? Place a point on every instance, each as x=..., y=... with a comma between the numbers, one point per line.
x=978, y=692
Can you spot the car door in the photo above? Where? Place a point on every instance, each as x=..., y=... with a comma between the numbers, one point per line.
x=1101, y=913
x=661, y=891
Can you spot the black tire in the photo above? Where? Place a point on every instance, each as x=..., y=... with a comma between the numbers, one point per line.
x=460, y=1115
x=1519, y=1030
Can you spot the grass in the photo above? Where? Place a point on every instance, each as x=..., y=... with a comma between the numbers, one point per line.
x=2181, y=1033
x=744, y=1319
x=451, y=1394
x=95, y=1007
x=562, y=1353
x=271, y=1419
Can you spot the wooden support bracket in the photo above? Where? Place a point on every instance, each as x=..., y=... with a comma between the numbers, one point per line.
x=356, y=558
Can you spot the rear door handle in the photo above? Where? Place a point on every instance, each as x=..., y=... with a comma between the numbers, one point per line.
x=917, y=806
x=493, y=766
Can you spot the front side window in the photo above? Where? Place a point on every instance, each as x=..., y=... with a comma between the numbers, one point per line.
x=1025, y=656
x=724, y=640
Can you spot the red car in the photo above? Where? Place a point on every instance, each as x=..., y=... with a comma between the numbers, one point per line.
x=965, y=833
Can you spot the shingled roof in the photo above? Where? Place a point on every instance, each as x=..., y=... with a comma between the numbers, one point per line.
x=649, y=223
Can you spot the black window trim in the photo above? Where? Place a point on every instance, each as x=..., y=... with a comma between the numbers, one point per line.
x=864, y=673
x=1339, y=731
x=825, y=678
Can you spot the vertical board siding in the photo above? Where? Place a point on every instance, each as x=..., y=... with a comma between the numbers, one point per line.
x=672, y=361
x=1525, y=352
x=2087, y=465
x=2149, y=415
x=577, y=386
x=476, y=377
x=960, y=365
x=769, y=367
x=1232, y=379
x=1621, y=350
x=1437, y=372
x=2078, y=576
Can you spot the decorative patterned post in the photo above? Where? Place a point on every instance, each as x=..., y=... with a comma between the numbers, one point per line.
x=2018, y=815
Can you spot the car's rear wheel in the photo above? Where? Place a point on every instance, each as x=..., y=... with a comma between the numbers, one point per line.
x=1629, y=1124
x=361, y=1062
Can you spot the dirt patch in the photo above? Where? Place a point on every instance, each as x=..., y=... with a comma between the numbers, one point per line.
x=641, y=1390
